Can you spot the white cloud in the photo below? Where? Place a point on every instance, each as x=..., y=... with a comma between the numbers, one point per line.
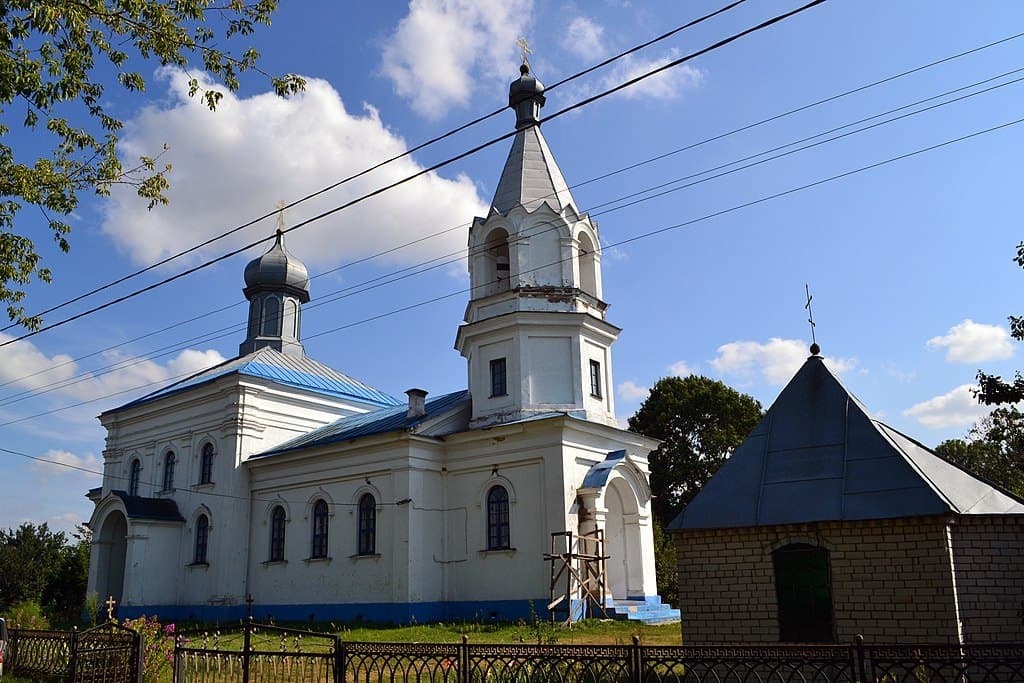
x=65, y=462
x=631, y=391
x=442, y=48
x=776, y=360
x=583, y=39
x=971, y=342
x=667, y=85
x=238, y=162
x=681, y=369
x=66, y=522
x=956, y=408
x=24, y=366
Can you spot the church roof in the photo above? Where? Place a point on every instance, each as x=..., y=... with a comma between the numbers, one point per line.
x=367, y=424
x=531, y=176
x=139, y=507
x=268, y=363
x=818, y=455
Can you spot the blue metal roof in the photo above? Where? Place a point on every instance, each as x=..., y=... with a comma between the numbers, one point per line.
x=367, y=424
x=597, y=476
x=267, y=363
x=817, y=455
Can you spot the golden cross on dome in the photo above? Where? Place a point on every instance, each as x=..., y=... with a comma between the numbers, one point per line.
x=280, y=216
x=524, y=47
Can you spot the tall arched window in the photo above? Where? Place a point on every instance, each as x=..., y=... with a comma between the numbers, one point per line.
x=169, y=460
x=587, y=265
x=497, y=519
x=277, y=520
x=206, y=464
x=202, y=539
x=804, y=593
x=319, y=545
x=367, y=525
x=133, y=477
x=497, y=267
x=271, y=317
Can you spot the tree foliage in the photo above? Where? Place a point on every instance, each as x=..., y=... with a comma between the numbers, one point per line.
x=57, y=60
x=700, y=421
x=43, y=567
x=993, y=389
x=993, y=450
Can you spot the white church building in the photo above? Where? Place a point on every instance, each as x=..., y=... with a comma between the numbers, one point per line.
x=275, y=476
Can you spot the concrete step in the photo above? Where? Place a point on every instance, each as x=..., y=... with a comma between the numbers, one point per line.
x=651, y=611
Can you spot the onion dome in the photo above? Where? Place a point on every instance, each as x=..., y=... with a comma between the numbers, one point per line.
x=277, y=270
x=526, y=96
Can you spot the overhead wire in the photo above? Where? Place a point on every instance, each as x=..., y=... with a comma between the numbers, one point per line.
x=378, y=165
x=619, y=243
x=446, y=259
x=446, y=162
x=614, y=204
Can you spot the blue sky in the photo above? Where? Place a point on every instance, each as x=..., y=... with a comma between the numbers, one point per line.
x=910, y=263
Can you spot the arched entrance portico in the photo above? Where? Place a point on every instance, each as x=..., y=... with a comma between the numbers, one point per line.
x=110, y=549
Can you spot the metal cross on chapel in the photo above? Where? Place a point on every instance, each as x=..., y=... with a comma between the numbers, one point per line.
x=524, y=47
x=810, y=318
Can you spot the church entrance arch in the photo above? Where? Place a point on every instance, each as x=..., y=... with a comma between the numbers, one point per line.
x=113, y=547
x=624, y=568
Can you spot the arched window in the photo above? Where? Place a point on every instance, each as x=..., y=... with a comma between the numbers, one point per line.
x=202, y=539
x=277, y=521
x=169, y=471
x=367, y=525
x=206, y=464
x=497, y=519
x=271, y=317
x=133, y=477
x=587, y=265
x=319, y=545
x=496, y=260
x=804, y=593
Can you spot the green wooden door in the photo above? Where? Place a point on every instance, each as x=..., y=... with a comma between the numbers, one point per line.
x=804, y=594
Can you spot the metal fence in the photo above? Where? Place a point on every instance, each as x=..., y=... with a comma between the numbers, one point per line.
x=109, y=653
x=308, y=656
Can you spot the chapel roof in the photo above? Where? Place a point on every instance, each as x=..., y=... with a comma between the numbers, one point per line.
x=140, y=507
x=367, y=424
x=267, y=363
x=817, y=455
x=531, y=176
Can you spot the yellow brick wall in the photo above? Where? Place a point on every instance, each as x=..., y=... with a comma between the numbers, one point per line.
x=891, y=581
x=988, y=556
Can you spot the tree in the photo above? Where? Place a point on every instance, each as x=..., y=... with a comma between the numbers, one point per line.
x=994, y=450
x=993, y=390
x=29, y=558
x=57, y=59
x=700, y=421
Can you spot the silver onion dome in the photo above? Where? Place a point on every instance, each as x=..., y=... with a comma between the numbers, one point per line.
x=277, y=270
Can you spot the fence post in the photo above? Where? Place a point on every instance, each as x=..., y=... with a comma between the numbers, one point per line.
x=464, y=660
x=12, y=652
x=339, y=660
x=246, y=644
x=73, y=660
x=858, y=646
x=177, y=675
x=636, y=660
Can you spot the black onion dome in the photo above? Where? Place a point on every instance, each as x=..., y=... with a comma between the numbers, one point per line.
x=277, y=269
x=526, y=97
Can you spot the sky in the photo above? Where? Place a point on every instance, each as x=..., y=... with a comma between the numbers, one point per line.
x=910, y=263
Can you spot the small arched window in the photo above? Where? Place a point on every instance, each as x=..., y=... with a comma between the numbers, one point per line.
x=497, y=264
x=133, y=477
x=803, y=589
x=206, y=464
x=202, y=539
x=367, y=525
x=587, y=265
x=169, y=461
x=271, y=317
x=497, y=519
x=277, y=520
x=320, y=517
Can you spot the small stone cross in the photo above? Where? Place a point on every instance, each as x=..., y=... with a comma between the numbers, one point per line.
x=111, y=602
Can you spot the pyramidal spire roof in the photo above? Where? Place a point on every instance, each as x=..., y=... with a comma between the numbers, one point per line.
x=818, y=455
x=531, y=176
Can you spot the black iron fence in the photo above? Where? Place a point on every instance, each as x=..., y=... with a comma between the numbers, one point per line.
x=109, y=653
x=267, y=653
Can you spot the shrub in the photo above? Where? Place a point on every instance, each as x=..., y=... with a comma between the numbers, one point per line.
x=157, y=647
x=28, y=614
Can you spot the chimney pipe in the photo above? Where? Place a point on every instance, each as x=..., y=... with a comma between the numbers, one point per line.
x=417, y=402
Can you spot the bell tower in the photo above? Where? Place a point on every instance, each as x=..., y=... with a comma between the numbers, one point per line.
x=276, y=285
x=535, y=335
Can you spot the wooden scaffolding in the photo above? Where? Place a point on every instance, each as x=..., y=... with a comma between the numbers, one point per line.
x=578, y=585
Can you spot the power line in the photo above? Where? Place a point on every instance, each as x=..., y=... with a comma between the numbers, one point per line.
x=614, y=203
x=422, y=172
x=370, y=169
x=629, y=240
